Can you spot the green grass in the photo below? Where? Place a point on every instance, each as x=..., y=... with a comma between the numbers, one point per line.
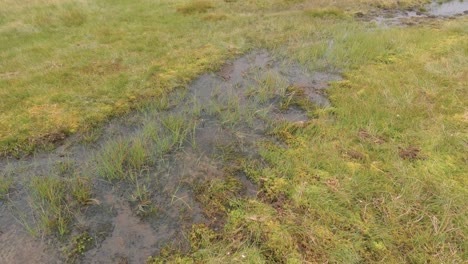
x=56, y=200
x=340, y=190
x=6, y=185
x=67, y=65
x=336, y=189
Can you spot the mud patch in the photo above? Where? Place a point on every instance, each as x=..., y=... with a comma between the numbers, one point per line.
x=147, y=168
x=131, y=241
x=18, y=245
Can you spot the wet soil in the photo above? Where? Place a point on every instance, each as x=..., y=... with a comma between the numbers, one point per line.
x=229, y=112
x=435, y=10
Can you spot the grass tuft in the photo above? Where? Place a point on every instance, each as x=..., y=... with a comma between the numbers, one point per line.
x=56, y=198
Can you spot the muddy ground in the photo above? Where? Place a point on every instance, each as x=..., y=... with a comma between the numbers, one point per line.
x=414, y=16
x=231, y=111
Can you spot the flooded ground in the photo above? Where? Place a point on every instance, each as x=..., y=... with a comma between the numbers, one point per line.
x=138, y=185
x=451, y=8
x=435, y=10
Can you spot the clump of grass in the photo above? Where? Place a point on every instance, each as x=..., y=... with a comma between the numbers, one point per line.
x=123, y=159
x=112, y=158
x=178, y=127
x=6, y=185
x=216, y=194
x=65, y=167
x=195, y=6
x=141, y=198
x=56, y=198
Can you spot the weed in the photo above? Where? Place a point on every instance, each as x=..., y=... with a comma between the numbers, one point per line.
x=141, y=198
x=81, y=190
x=79, y=245
x=201, y=236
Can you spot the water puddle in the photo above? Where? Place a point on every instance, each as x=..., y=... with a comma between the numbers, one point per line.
x=451, y=8
x=131, y=241
x=189, y=141
x=435, y=10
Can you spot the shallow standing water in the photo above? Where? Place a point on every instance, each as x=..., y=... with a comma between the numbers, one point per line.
x=450, y=8
x=434, y=10
x=230, y=110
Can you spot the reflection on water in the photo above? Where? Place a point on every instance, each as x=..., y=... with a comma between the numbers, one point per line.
x=448, y=8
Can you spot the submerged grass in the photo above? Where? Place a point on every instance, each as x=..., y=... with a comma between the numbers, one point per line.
x=67, y=66
x=342, y=189
x=56, y=200
x=6, y=184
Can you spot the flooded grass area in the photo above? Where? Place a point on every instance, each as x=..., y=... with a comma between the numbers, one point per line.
x=449, y=8
x=145, y=186
x=269, y=131
x=436, y=10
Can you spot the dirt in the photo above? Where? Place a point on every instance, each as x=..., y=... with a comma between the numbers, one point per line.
x=410, y=153
x=237, y=106
x=131, y=240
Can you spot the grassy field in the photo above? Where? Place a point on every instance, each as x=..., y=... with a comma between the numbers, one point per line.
x=378, y=177
x=68, y=65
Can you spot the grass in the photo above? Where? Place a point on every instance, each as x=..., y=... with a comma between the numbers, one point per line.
x=56, y=200
x=338, y=189
x=6, y=185
x=66, y=67
x=196, y=6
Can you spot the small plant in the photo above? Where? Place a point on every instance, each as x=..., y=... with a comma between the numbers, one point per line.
x=111, y=160
x=79, y=245
x=65, y=167
x=142, y=198
x=201, y=236
x=51, y=203
x=81, y=190
x=177, y=127
x=55, y=199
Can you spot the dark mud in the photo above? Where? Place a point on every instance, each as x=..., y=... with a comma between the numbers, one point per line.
x=225, y=115
x=435, y=10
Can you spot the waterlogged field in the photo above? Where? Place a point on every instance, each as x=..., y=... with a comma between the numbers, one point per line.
x=233, y=131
